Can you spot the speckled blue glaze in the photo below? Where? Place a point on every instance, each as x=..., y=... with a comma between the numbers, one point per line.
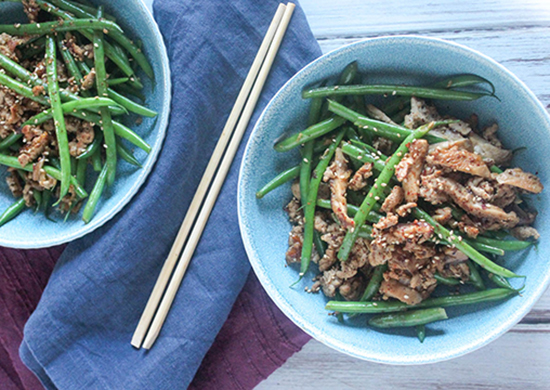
x=35, y=231
x=264, y=225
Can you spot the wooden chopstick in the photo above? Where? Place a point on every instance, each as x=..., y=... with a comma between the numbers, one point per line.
x=206, y=209
x=194, y=207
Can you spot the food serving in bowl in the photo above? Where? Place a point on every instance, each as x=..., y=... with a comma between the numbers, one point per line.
x=436, y=227
x=71, y=80
x=438, y=181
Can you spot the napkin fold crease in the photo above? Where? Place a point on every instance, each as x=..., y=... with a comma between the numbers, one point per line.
x=79, y=335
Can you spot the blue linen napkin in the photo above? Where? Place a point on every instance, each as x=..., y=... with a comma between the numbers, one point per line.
x=79, y=336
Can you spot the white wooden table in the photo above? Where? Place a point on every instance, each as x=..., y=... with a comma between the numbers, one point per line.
x=515, y=33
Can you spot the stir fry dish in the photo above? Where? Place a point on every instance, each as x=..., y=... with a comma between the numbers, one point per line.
x=394, y=200
x=65, y=82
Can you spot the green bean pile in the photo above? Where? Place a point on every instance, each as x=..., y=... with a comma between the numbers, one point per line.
x=339, y=119
x=90, y=70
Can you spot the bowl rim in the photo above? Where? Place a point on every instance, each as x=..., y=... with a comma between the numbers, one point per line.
x=308, y=327
x=161, y=124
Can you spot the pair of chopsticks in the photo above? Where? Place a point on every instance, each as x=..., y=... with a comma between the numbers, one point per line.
x=161, y=298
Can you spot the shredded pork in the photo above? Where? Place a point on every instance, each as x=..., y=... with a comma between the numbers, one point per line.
x=453, y=180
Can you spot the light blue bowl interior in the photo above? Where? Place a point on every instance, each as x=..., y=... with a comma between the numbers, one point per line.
x=34, y=231
x=264, y=225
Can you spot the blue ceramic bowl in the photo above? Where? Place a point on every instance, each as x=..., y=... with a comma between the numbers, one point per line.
x=264, y=224
x=35, y=231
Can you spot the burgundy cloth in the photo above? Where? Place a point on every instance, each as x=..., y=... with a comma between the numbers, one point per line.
x=255, y=340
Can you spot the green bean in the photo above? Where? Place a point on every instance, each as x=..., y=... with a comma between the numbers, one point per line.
x=73, y=166
x=53, y=27
x=309, y=134
x=502, y=282
x=399, y=117
x=91, y=11
x=46, y=196
x=71, y=65
x=127, y=155
x=463, y=80
x=70, y=107
x=386, y=130
x=96, y=160
x=74, y=8
x=359, y=101
x=81, y=167
x=475, y=277
x=71, y=208
x=21, y=89
x=116, y=34
x=420, y=332
x=13, y=162
x=374, y=283
x=491, y=295
x=55, y=162
x=96, y=144
x=495, y=234
x=279, y=180
x=118, y=81
x=309, y=213
x=13, y=211
x=463, y=246
x=457, y=81
x=305, y=170
x=125, y=102
x=348, y=74
x=373, y=216
x=37, y=199
x=130, y=105
x=376, y=192
x=365, y=232
x=107, y=124
x=119, y=60
x=496, y=169
x=369, y=148
x=10, y=140
x=397, y=90
x=30, y=78
x=361, y=155
x=69, y=61
x=410, y=318
x=507, y=245
x=134, y=51
x=446, y=281
x=58, y=117
x=120, y=130
x=128, y=90
x=307, y=151
x=320, y=245
x=95, y=195
x=484, y=247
